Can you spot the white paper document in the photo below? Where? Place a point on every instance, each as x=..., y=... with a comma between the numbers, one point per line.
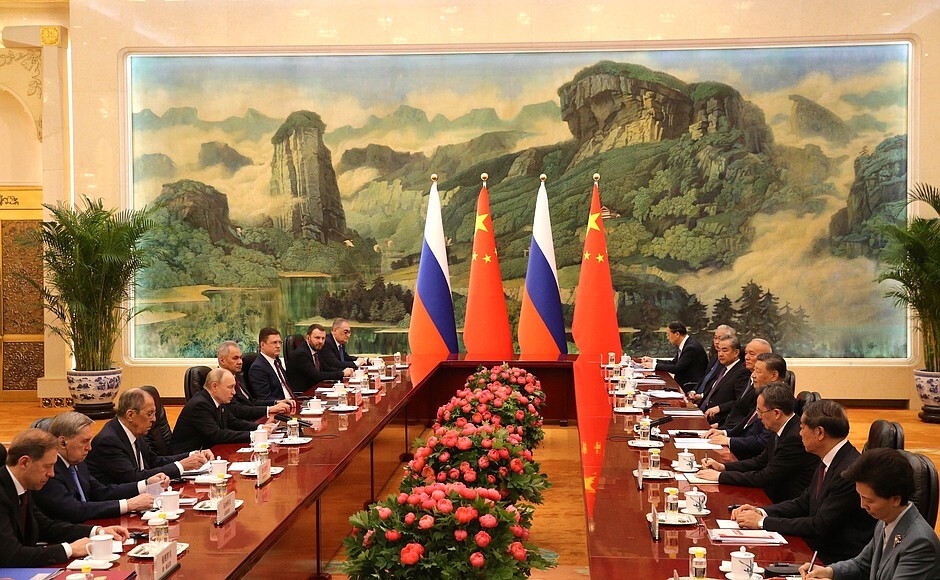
x=674, y=432
x=746, y=537
x=694, y=443
x=727, y=524
x=661, y=394
x=675, y=412
x=696, y=480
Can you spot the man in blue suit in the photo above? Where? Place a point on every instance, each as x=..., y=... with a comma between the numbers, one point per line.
x=904, y=546
x=267, y=376
x=73, y=494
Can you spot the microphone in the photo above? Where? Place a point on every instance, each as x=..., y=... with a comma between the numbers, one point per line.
x=660, y=421
x=285, y=418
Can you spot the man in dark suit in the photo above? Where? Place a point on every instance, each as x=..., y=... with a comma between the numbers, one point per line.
x=904, y=546
x=243, y=405
x=205, y=420
x=689, y=364
x=723, y=331
x=304, y=365
x=784, y=468
x=333, y=355
x=266, y=375
x=30, y=463
x=743, y=407
x=73, y=494
x=120, y=452
x=749, y=437
x=828, y=515
x=729, y=383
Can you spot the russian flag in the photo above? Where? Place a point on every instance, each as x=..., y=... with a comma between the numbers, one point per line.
x=541, y=327
x=433, y=329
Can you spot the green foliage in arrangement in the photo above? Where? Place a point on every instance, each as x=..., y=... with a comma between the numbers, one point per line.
x=90, y=256
x=912, y=260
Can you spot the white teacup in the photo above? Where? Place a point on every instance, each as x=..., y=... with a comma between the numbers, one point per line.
x=219, y=467
x=99, y=547
x=168, y=501
x=695, y=500
x=686, y=461
x=642, y=400
x=359, y=374
x=742, y=565
x=260, y=435
x=315, y=405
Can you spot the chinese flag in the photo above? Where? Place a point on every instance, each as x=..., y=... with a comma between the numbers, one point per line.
x=594, y=327
x=486, y=327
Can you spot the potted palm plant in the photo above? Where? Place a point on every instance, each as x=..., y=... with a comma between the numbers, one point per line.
x=90, y=258
x=913, y=262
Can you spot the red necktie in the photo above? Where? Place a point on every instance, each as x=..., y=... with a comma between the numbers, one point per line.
x=316, y=360
x=820, y=474
x=24, y=507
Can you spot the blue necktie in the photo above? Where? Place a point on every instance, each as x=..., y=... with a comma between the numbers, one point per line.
x=74, y=471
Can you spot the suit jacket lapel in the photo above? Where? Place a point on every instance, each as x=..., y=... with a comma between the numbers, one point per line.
x=896, y=540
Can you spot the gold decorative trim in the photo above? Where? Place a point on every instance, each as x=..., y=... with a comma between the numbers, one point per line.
x=22, y=365
x=49, y=35
x=21, y=255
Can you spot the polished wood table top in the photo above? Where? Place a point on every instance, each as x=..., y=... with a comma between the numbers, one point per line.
x=620, y=544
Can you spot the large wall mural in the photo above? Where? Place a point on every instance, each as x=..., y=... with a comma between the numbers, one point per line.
x=741, y=186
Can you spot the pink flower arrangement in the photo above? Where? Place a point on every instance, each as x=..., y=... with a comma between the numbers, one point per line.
x=477, y=455
x=476, y=536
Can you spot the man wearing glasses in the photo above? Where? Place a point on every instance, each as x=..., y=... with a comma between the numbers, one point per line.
x=333, y=355
x=120, y=453
x=784, y=469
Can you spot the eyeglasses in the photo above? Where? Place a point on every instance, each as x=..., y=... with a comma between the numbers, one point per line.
x=760, y=413
x=346, y=331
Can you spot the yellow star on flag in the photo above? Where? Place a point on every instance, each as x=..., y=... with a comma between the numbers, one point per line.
x=474, y=256
x=600, y=258
x=481, y=221
x=587, y=255
x=487, y=258
x=592, y=222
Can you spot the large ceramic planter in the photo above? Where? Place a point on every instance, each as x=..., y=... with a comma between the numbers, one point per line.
x=93, y=392
x=928, y=387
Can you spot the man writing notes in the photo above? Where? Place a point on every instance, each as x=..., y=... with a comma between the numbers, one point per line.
x=749, y=437
x=784, y=468
x=689, y=364
x=120, y=453
x=30, y=463
x=205, y=420
x=729, y=383
x=243, y=406
x=73, y=494
x=828, y=514
x=333, y=355
x=904, y=546
x=304, y=364
x=266, y=374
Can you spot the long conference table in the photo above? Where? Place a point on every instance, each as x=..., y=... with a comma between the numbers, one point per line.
x=292, y=526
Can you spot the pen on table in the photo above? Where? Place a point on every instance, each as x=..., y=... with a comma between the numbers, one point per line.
x=812, y=562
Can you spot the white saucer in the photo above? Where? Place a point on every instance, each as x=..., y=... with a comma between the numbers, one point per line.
x=726, y=567
x=645, y=444
x=627, y=410
x=695, y=468
x=251, y=472
x=144, y=550
x=111, y=558
x=367, y=392
x=207, y=505
x=208, y=479
x=294, y=441
x=680, y=520
x=344, y=408
x=93, y=564
x=147, y=516
x=401, y=366
x=689, y=512
x=311, y=411
x=658, y=474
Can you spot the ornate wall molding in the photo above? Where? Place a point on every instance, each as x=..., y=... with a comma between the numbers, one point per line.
x=21, y=75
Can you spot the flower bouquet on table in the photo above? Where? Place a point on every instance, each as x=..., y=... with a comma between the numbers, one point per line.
x=448, y=531
x=477, y=455
x=512, y=377
x=497, y=405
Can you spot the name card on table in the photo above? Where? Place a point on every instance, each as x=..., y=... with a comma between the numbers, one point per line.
x=264, y=474
x=358, y=398
x=226, y=507
x=164, y=562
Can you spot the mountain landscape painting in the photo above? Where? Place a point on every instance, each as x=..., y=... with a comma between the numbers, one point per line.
x=744, y=186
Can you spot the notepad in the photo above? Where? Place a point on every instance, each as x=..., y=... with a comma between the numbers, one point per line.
x=694, y=443
x=683, y=412
x=746, y=537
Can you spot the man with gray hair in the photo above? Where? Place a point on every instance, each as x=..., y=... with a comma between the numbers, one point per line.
x=243, y=406
x=73, y=494
x=23, y=526
x=333, y=355
x=722, y=332
x=206, y=420
x=121, y=453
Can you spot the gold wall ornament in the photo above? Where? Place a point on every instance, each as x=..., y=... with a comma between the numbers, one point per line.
x=22, y=303
x=22, y=365
x=49, y=35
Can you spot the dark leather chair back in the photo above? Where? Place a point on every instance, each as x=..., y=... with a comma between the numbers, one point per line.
x=3, y=454
x=160, y=434
x=926, y=486
x=885, y=434
x=248, y=359
x=803, y=398
x=790, y=379
x=194, y=380
x=41, y=423
x=293, y=341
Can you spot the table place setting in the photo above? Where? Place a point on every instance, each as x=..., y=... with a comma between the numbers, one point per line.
x=655, y=474
x=150, y=550
x=678, y=412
